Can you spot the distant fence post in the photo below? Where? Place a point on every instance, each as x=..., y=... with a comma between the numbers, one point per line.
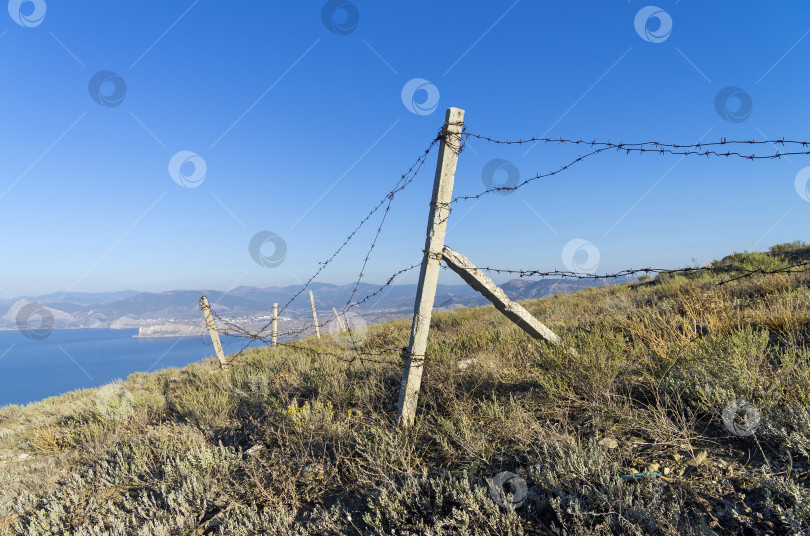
x=275, y=322
x=339, y=321
x=429, y=273
x=314, y=315
x=212, y=330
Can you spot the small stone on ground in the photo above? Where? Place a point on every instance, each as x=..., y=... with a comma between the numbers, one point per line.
x=609, y=443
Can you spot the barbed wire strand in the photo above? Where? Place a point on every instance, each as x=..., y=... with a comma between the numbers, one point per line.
x=628, y=148
x=798, y=267
x=657, y=144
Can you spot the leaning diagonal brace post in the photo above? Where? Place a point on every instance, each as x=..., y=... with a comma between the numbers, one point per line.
x=431, y=262
x=483, y=284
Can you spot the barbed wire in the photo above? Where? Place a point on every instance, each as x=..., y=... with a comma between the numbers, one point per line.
x=561, y=274
x=363, y=356
x=449, y=141
x=236, y=330
x=621, y=274
x=657, y=144
x=403, y=182
x=628, y=148
x=368, y=256
x=376, y=356
x=386, y=284
x=456, y=142
x=230, y=328
x=357, y=354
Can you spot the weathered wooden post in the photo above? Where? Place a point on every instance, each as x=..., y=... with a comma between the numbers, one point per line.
x=275, y=322
x=212, y=330
x=429, y=273
x=314, y=315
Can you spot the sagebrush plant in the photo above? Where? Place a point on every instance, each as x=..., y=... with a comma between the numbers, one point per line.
x=304, y=440
x=441, y=505
x=310, y=414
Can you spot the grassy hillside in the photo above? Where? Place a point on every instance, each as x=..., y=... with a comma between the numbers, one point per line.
x=292, y=441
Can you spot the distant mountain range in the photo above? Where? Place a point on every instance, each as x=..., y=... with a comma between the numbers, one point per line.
x=131, y=309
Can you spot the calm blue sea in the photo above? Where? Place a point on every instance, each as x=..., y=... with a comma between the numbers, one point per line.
x=70, y=359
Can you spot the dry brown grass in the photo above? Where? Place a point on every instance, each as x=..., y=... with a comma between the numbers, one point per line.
x=657, y=364
x=48, y=439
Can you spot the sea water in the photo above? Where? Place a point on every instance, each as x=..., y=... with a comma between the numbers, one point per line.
x=71, y=359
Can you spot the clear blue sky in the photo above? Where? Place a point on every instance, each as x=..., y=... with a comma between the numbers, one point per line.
x=287, y=113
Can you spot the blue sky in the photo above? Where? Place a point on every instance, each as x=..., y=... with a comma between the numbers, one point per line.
x=302, y=128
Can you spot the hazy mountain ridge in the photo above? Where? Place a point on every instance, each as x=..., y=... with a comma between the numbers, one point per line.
x=130, y=309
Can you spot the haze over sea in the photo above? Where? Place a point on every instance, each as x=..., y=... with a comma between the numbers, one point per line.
x=71, y=359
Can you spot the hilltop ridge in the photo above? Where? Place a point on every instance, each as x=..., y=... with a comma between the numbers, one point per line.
x=685, y=412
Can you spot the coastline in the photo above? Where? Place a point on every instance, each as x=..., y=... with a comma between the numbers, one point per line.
x=165, y=336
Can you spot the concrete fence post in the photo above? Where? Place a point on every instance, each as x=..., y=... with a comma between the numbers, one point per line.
x=275, y=322
x=429, y=273
x=340, y=323
x=315, y=315
x=483, y=284
x=212, y=330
